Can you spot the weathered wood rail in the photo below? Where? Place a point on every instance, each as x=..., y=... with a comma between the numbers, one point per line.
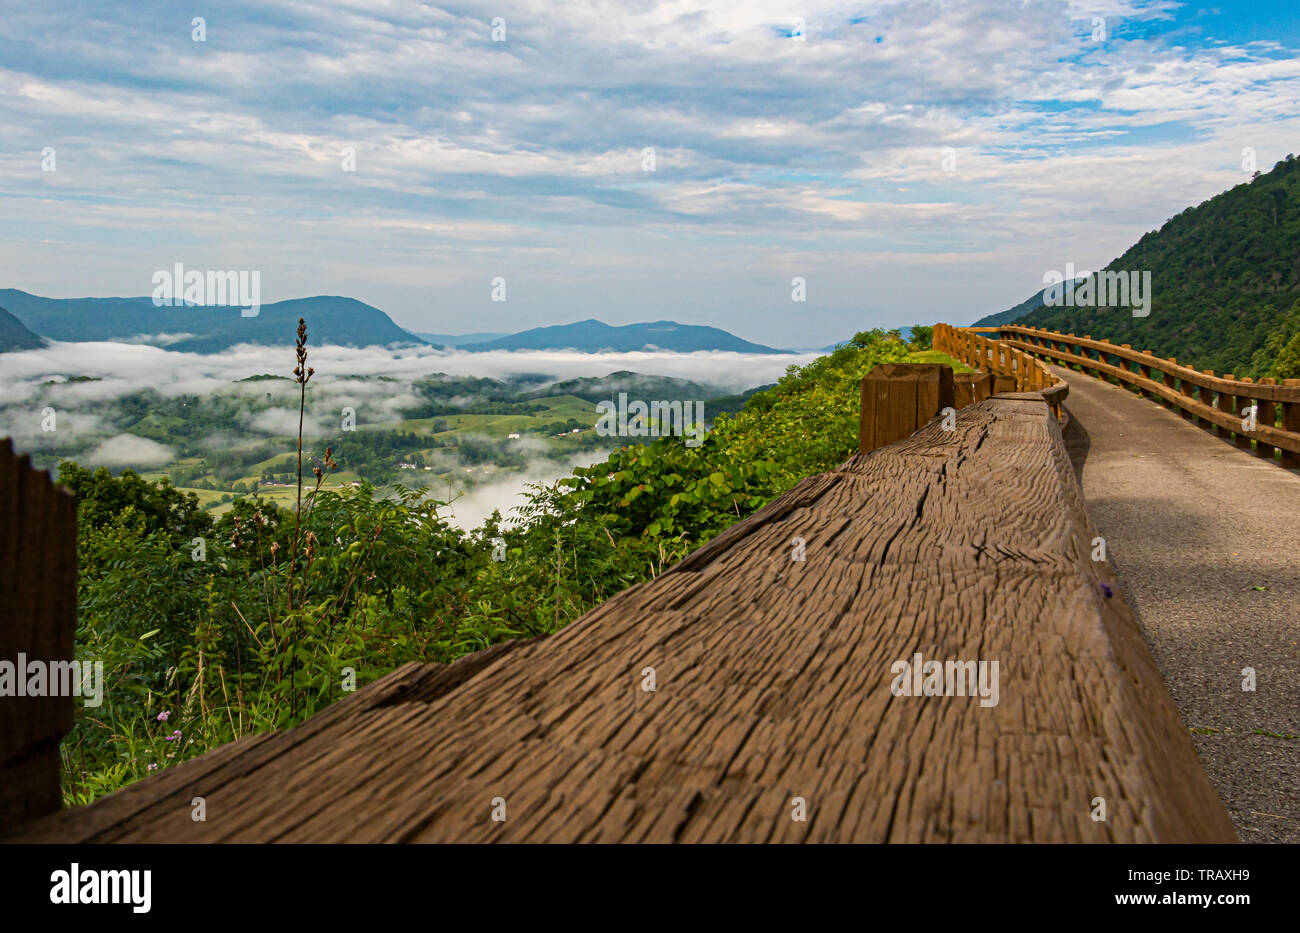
x=753, y=683
x=1221, y=403
x=38, y=618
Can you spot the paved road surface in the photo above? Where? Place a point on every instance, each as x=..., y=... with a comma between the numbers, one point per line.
x=1205, y=540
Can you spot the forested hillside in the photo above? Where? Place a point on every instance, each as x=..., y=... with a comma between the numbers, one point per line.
x=194, y=329
x=14, y=335
x=210, y=630
x=1226, y=282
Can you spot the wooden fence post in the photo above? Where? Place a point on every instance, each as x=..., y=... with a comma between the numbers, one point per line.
x=969, y=388
x=1144, y=370
x=1291, y=422
x=1224, y=404
x=899, y=398
x=1171, y=383
x=1244, y=402
x=1266, y=414
x=1189, y=390
x=1003, y=383
x=38, y=621
x=1206, y=397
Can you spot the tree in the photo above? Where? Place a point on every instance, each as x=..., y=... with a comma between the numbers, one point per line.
x=101, y=496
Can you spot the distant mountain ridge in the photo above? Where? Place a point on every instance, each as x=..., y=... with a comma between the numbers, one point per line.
x=14, y=335
x=1226, y=283
x=331, y=319
x=1011, y=315
x=456, y=340
x=592, y=336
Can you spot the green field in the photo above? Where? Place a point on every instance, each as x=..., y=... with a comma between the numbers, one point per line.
x=440, y=470
x=558, y=408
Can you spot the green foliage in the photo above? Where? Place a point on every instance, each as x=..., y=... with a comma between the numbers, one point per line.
x=1283, y=346
x=1224, y=274
x=922, y=337
x=101, y=498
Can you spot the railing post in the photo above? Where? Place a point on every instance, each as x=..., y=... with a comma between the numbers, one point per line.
x=1003, y=383
x=1144, y=370
x=38, y=621
x=900, y=398
x=1224, y=404
x=970, y=388
x=1170, y=381
x=1291, y=422
x=1266, y=414
x=1206, y=397
x=1244, y=402
x=1190, y=390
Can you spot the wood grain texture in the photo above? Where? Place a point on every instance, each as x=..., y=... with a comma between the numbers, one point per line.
x=772, y=682
x=897, y=398
x=38, y=619
x=969, y=388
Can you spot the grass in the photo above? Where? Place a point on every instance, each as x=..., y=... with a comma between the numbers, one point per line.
x=934, y=356
x=1205, y=730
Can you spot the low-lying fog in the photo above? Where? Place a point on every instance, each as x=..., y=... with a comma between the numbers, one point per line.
x=471, y=507
x=125, y=368
x=122, y=368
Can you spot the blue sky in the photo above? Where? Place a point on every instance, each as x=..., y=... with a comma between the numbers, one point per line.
x=774, y=158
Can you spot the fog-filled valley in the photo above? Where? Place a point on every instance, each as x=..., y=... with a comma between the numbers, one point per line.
x=470, y=429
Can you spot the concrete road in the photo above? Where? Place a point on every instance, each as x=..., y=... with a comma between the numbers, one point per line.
x=1205, y=540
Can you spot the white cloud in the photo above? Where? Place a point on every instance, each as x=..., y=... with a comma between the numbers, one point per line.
x=477, y=159
x=127, y=450
x=126, y=368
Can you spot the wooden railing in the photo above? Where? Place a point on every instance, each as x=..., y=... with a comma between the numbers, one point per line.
x=752, y=691
x=1222, y=403
x=1002, y=358
x=38, y=617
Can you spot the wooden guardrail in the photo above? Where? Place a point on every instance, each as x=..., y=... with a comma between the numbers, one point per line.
x=1222, y=403
x=38, y=619
x=815, y=673
x=1002, y=359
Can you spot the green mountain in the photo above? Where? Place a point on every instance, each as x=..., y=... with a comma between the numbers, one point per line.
x=1032, y=303
x=330, y=319
x=14, y=335
x=1225, y=282
x=592, y=336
